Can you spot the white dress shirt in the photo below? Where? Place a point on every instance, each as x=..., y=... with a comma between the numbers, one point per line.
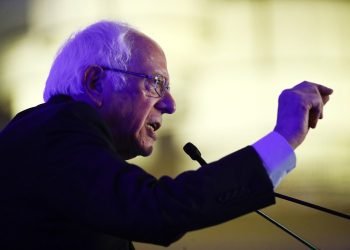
x=277, y=155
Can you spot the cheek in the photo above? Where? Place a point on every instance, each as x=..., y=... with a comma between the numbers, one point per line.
x=140, y=118
x=128, y=115
x=120, y=116
x=138, y=122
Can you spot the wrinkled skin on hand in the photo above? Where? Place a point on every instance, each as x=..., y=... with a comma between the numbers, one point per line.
x=299, y=109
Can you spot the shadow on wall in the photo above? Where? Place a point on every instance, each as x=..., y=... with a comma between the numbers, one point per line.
x=4, y=112
x=13, y=22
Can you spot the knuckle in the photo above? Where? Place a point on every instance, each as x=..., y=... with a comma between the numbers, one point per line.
x=290, y=94
x=314, y=88
x=286, y=93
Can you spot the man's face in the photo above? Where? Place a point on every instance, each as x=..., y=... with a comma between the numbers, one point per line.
x=132, y=114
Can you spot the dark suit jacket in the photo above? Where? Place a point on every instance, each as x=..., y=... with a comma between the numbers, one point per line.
x=63, y=186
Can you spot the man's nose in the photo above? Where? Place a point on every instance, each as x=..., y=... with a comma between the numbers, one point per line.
x=166, y=103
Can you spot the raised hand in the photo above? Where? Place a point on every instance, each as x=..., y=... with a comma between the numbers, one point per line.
x=299, y=109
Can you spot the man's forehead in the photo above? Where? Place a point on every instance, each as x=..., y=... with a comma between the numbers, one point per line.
x=146, y=51
x=144, y=45
x=138, y=38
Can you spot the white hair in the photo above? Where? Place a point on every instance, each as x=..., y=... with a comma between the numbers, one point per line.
x=104, y=43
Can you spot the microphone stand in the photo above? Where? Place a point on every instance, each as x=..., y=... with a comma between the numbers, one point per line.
x=286, y=230
x=195, y=155
x=314, y=206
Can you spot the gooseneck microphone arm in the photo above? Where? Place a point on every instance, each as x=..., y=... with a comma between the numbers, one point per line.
x=195, y=155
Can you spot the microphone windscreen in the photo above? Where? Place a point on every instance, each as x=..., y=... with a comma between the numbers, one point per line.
x=192, y=151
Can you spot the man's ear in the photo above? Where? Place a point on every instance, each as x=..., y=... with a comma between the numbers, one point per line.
x=92, y=84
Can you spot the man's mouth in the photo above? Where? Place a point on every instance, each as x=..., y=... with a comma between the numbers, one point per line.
x=154, y=125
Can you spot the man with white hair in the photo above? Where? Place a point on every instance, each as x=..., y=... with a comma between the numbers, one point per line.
x=65, y=183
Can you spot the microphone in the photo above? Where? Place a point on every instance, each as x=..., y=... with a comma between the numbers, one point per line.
x=196, y=155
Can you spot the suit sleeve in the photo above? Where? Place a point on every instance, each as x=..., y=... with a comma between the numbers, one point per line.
x=86, y=182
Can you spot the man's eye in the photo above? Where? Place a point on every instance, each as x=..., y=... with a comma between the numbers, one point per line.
x=159, y=82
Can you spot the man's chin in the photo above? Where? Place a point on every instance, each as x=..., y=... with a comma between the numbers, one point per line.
x=139, y=151
x=146, y=151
